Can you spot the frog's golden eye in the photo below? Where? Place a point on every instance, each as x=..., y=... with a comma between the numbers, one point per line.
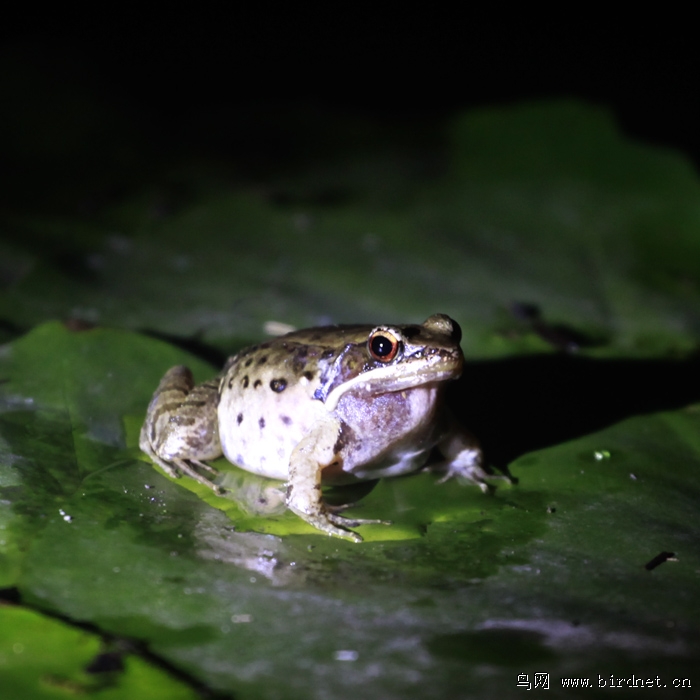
x=383, y=346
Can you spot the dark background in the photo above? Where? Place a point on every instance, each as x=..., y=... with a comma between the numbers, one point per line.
x=93, y=98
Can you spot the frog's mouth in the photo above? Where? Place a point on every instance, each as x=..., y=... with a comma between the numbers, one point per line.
x=407, y=374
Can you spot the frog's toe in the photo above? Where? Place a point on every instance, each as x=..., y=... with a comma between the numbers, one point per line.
x=204, y=465
x=335, y=509
x=168, y=468
x=473, y=473
x=336, y=525
x=185, y=467
x=355, y=522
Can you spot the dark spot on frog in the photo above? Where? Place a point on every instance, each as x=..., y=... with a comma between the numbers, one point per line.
x=230, y=383
x=239, y=420
x=299, y=359
x=286, y=420
x=261, y=423
x=249, y=362
x=262, y=360
x=328, y=353
x=257, y=383
x=245, y=382
x=345, y=436
x=278, y=385
x=308, y=375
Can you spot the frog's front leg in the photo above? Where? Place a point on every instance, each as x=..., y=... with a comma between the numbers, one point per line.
x=317, y=450
x=181, y=429
x=463, y=457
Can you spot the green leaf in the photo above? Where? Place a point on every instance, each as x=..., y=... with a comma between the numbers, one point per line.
x=42, y=657
x=542, y=204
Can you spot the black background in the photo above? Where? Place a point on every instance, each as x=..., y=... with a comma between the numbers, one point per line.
x=211, y=78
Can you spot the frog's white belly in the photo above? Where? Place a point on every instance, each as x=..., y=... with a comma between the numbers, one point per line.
x=260, y=435
x=383, y=435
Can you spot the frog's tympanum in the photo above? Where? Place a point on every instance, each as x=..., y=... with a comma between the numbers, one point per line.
x=319, y=406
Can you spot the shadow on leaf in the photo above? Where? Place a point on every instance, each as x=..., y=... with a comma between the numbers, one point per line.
x=518, y=405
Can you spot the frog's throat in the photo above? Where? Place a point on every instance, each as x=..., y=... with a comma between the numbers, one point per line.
x=367, y=382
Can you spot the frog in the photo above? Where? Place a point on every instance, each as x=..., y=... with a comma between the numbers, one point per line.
x=322, y=406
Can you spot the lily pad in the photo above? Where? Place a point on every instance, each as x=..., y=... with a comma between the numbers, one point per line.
x=42, y=657
x=586, y=568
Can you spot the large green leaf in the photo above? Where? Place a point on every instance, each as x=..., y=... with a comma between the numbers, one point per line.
x=42, y=657
x=542, y=204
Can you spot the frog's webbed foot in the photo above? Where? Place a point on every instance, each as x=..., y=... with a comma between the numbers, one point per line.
x=333, y=524
x=177, y=467
x=188, y=467
x=463, y=461
x=465, y=472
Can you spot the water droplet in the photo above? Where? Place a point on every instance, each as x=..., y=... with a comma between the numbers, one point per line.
x=600, y=455
x=346, y=655
x=241, y=618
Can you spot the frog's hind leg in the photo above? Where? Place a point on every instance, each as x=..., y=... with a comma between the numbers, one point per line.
x=181, y=428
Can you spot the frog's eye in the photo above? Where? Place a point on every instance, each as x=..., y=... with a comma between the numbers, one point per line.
x=383, y=346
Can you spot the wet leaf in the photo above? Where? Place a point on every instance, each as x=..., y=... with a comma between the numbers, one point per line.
x=545, y=211
x=42, y=657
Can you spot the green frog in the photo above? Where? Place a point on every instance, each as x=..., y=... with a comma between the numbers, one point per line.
x=327, y=406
